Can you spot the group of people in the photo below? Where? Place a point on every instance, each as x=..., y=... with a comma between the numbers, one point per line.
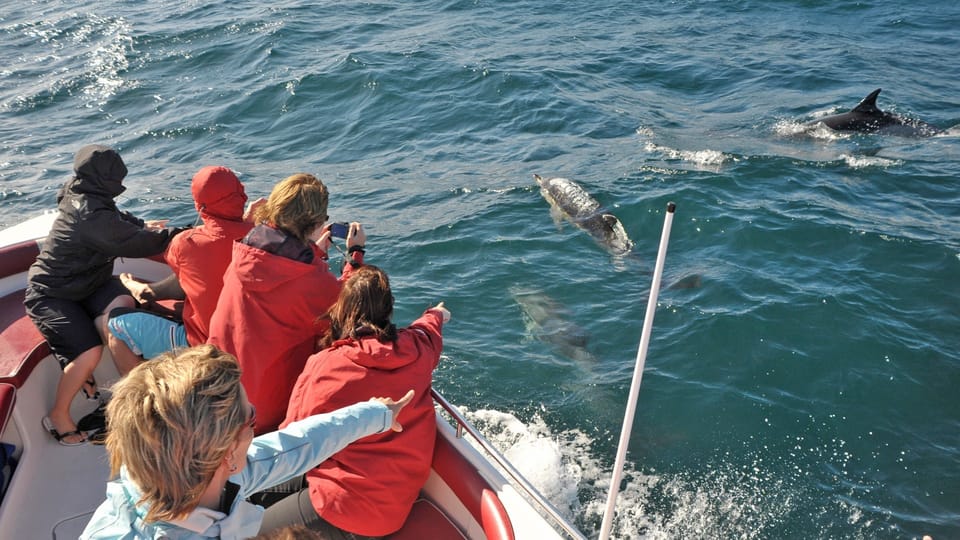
x=247, y=411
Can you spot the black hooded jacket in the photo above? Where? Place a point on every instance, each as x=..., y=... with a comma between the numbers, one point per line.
x=90, y=232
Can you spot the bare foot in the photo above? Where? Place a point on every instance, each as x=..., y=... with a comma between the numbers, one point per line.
x=139, y=290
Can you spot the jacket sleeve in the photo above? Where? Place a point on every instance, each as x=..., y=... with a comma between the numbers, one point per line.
x=127, y=216
x=110, y=233
x=356, y=261
x=430, y=327
x=278, y=456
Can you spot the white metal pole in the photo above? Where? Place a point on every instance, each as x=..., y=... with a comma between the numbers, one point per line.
x=637, y=375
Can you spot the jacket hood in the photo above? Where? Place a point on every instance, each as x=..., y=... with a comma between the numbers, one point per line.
x=372, y=353
x=263, y=271
x=218, y=192
x=98, y=169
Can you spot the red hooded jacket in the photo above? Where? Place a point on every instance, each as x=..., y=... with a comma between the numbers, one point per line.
x=200, y=256
x=269, y=315
x=370, y=486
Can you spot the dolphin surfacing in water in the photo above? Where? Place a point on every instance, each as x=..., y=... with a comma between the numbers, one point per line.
x=868, y=118
x=568, y=200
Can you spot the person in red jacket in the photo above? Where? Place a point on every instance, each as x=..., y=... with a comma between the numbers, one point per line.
x=198, y=258
x=369, y=487
x=277, y=289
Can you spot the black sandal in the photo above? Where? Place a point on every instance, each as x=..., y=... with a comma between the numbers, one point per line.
x=92, y=383
x=48, y=425
x=95, y=421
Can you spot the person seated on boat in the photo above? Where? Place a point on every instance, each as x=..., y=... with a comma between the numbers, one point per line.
x=276, y=290
x=71, y=286
x=368, y=488
x=184, y=458
x=198, y=258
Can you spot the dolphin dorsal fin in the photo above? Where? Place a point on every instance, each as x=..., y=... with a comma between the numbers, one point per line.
x=869, y=103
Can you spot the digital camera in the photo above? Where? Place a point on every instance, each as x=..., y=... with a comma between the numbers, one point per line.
x=339, y=230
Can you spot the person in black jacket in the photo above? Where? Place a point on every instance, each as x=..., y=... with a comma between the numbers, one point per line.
x=71, y=285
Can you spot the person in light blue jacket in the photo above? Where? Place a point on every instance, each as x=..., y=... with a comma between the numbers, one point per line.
x=182, y=449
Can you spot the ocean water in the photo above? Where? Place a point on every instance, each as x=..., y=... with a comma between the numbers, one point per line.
x=807, y=388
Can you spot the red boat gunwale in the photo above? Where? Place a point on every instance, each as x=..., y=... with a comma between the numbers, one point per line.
x=21, y=345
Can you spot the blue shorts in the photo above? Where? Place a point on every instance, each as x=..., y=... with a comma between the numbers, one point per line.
x=147, y=334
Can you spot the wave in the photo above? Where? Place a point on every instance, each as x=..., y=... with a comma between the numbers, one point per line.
x=78, y=54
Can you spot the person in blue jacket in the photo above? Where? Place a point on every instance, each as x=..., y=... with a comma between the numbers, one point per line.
x=182, y=449
x=71, y=286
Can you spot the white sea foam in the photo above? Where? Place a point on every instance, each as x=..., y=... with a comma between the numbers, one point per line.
x=644, y=131
x=705, y=158
x=793, y=128
x=719, y=501
x=561, y=467
x=862, y=162
x=713, y=503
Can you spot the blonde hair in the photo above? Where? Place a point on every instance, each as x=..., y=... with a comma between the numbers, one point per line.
x=297, y=204
x=171, y=422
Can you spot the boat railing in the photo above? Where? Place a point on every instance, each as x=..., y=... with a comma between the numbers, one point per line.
x=463, y=425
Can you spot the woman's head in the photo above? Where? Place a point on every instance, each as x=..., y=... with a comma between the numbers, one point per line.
x=364, y=307
x=173, y=420
x=298, y=205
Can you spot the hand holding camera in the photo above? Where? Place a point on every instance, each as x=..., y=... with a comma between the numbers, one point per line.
x=353, y=233
x=356, y=236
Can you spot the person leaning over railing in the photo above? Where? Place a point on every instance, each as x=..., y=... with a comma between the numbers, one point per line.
x=368, y=488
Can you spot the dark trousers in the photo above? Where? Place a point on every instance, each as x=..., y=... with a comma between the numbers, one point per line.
x=289, y=504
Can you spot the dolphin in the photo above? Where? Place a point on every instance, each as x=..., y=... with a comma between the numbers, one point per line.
x=548, y=321
x=568, y=200
x=868, y=118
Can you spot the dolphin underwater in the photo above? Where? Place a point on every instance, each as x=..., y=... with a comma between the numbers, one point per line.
x=568, y=200
x=548, y=321
x=868, y=118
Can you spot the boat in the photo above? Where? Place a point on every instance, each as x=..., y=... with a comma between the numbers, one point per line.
x=473, y=491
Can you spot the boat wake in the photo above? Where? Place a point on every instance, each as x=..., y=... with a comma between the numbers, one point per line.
x=562, y=467
x=720, y=500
